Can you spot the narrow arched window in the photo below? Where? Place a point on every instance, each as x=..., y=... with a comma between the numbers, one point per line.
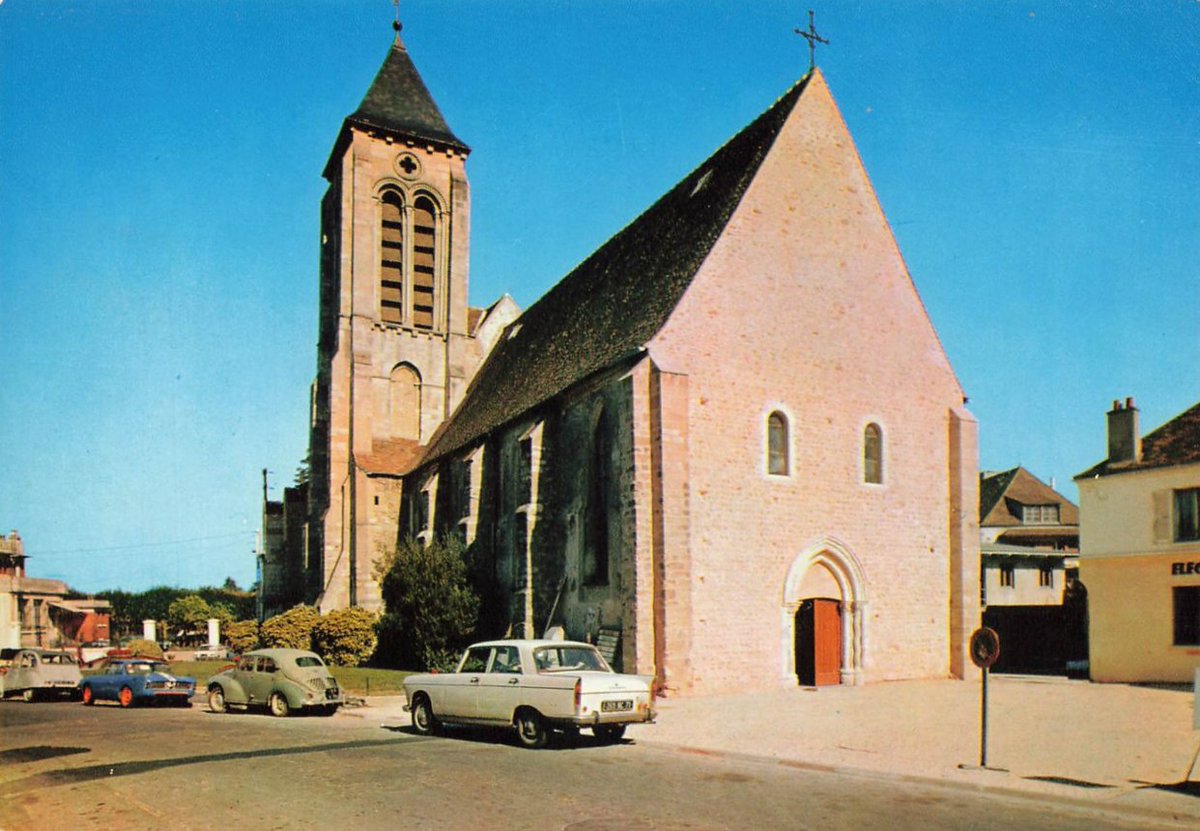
x=596, y=545
x=404, y=403
x=777, y=444
x=873, y=455
x=424, y=250
x=391, y=258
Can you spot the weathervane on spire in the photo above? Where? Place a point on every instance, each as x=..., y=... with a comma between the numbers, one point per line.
x=396, y=24
x=809, y=34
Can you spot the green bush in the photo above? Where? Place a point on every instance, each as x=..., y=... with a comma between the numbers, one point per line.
x=291, y=629
x=148, y=649
x=242, y=636
x=430, y=606
x=345, y=637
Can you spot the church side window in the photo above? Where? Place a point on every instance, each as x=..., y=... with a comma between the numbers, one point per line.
x=424, y=248
x=873, y=455
x=391, y=259
x=595, y=570
x=777, y=444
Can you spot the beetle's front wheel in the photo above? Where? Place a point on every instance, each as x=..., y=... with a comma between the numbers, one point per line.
x=216, y=700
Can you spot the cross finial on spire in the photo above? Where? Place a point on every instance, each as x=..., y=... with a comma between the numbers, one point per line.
x=396, y=24
x=809, y=34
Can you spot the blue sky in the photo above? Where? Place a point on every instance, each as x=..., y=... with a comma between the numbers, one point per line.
x=160, y=176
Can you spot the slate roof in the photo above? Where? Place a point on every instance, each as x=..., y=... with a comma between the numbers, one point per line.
x=1001, y=493
x=616, y=300
x=1175, y=443
x=399, y=101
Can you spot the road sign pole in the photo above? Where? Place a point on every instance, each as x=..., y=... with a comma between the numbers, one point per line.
x=983, y=707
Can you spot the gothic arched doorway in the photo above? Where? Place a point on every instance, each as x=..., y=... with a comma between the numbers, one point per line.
x=823, y=612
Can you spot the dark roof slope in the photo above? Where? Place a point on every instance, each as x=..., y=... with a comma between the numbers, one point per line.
x=1000, y=494
x=1175, y=443
x=616, y=300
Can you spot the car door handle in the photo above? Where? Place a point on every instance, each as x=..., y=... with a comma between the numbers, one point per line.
x=513, y=680
x=475, y=680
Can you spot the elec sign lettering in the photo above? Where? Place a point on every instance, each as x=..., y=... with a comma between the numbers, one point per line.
x=1184, y=568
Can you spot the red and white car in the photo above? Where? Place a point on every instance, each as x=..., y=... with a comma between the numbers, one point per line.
x=533, y=686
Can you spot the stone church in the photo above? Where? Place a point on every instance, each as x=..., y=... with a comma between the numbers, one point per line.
x=728, y=444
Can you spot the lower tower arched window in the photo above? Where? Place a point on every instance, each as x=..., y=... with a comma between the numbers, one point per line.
x=424, y=262
x=404, y=403
x=391, y=258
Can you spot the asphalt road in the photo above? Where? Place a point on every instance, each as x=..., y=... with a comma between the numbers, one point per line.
x=63, y=765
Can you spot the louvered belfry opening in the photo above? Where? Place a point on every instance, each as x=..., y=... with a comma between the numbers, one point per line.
x=424, y=246
x=391, y=260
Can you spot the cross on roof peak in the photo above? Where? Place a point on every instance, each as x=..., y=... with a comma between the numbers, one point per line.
x=809, y=34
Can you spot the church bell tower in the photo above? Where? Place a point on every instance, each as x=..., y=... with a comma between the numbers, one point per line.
x=394, y=349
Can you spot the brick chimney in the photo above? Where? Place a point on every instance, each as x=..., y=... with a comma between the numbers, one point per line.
x=1124, y=436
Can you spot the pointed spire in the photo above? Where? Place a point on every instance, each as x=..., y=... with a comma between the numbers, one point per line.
x=399, y=101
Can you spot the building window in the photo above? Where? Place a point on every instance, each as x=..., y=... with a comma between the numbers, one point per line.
x=1008, y=576
x=1187, y=515
x=423, y=518
x=596, y=542
x=391, y=259
x=525, y=471
x=1187, y=615
x=1046, y=576
x=424, y=248
x=404, y=402
x=1039, y=514
x=873, y=455
x=777, y=444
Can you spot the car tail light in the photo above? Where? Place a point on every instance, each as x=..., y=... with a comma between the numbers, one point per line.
x=578, y=693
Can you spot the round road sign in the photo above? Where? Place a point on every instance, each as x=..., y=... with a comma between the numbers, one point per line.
x=985, y=647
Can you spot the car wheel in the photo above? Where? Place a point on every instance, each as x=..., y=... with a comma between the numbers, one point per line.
x=423, y=719
x=125, y=696
x=531, y=730
x=278, y=705
x=609, y=733
x=216, y=700
x=88, y=697
x=29, y=695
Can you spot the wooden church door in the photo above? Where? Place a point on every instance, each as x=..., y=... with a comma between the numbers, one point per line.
x=819, y=643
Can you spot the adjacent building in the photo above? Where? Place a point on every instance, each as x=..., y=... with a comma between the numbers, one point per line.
x=1139, y=550
x=692, y=449
x=1029, y=549
x=36, y=612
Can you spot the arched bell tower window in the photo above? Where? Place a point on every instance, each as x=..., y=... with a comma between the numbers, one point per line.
x=391, y=258
x=873, y=455
x=404, y=403
x=777, y=444
x=424, y=260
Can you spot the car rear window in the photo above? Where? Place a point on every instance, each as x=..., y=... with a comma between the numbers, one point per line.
x=309, y=661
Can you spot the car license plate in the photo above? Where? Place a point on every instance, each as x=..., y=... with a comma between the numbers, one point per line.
x=616, y=706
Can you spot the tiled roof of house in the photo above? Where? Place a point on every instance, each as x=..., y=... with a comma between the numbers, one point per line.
x=616, y=300
x=1000, y=494
x=399, y=101
x=392, y=457
x=1175, y=443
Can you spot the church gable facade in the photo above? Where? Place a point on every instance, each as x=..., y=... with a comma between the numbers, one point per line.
x=730, y=439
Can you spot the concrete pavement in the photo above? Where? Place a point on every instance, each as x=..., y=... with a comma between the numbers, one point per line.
x=1114, y=746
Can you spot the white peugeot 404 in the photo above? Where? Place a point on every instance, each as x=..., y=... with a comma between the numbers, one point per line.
x=533, y=686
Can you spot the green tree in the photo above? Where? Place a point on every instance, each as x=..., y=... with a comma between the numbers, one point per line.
x=345, y=637
x=291, y=629
x=190, y=612
x=430, y=607
x=242, y=635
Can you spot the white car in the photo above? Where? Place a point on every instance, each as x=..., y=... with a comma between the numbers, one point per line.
x=533, y=686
